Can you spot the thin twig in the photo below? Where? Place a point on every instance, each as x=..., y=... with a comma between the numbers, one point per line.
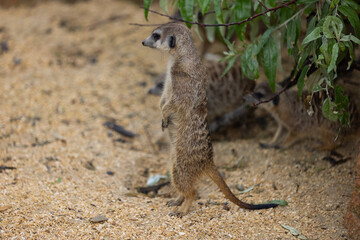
x=145, y=25
x=223, y=24
x=262, y=4
x=289, y=19
x=270, y=99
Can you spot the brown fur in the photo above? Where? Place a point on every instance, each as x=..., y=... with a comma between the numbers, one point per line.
x=183, y=106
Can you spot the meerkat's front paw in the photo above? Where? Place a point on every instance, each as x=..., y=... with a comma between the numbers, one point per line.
x=164, y=123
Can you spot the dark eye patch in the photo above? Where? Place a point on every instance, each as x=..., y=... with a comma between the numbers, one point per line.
x=156, y=36
x=276, y=100
x=258, y=95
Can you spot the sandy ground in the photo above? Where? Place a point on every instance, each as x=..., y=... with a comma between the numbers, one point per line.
x=68, y=69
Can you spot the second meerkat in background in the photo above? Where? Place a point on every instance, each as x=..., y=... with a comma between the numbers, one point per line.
x=183, y=106
x=295, y=124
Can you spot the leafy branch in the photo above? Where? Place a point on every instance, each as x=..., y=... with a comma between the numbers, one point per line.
x=265, y=27
x=146, y=10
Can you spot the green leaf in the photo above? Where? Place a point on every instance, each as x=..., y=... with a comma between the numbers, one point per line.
x=355, y=39
x=324, y=49
x=301, y=82
x=304, y=54
x=342, y=103
x=326, y=28
x=292, y=34
x=352, y=4
x=350, y=47
x=264, y=39
x=313, y=79
x=311, y=25
x=186, y=8
x=247, y=190
x=147, y=4
x=284, y=14
x=334, y=56
x=315, y=34
x=269, y=3
x=164, y=5
x=210, y=31
x=294, y=231
x=189, y=8
x=353, y=18
x=229, y=65
x=336, y=24
x=328, y=110
x=306, y=1
x=269, y=55
x=58, y=180
x=218, y=11
x=242, y=10
x=204, y=5
x=249, y=62
x=229, y=45
x=278, y=202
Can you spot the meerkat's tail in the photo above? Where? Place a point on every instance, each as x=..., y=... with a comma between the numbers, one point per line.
x=214, y=174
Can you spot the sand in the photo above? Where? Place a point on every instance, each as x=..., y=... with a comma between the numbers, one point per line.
x=69, y=69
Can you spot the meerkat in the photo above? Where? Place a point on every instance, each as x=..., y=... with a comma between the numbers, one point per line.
x=183, y=107
x=294, y=121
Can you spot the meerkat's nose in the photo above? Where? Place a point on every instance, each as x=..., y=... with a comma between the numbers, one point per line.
x=143, y=43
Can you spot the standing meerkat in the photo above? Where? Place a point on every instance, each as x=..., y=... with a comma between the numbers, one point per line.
x=295, y=124
x=183, y=106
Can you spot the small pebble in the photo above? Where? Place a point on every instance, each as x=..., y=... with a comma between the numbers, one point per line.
x=93, y=60
x=110, y=173
x=89, y=165
x=99, y=219
x=226, y=208
x=240, y=187
x=17, y=61
x=4, y=46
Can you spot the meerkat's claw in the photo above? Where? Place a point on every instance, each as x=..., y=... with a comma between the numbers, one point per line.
x=176, y=214
x=175, y=202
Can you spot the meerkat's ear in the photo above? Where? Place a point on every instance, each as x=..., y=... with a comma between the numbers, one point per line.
x=172, y=41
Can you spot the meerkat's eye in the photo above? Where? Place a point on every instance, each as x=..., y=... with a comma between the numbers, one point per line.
x=258, y=95
x=156, y=36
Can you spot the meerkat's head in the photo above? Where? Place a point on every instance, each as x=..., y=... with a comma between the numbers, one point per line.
x=262, y=92
x=168, y=37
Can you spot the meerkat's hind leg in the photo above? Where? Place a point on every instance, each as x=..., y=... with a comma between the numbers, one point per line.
x=276, y=140
x=184, y=180
x=189, y=199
